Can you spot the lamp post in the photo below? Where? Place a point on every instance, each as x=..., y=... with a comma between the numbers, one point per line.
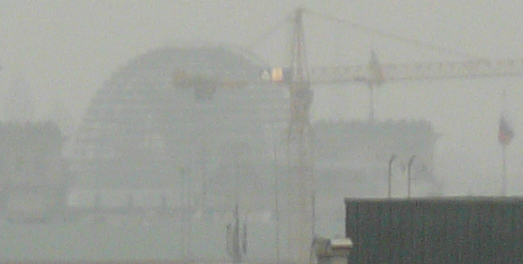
x=409, y=174
x=391, y=160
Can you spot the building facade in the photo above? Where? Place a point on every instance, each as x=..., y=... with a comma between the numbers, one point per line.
x=194, y=141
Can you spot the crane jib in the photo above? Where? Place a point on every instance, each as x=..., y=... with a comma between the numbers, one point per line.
x=405, y=71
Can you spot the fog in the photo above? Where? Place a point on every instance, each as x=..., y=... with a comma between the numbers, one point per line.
x=56, y=55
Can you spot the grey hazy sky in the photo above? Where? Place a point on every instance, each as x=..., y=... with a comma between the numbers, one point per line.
x=67, y=48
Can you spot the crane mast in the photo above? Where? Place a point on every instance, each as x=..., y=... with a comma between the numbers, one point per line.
x=300, y=150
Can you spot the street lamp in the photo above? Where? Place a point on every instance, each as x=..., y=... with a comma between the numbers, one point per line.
x=391, y=160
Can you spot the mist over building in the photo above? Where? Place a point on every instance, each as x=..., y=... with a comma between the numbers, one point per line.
x=177, y=137
x=156, y=138
x=193, y=143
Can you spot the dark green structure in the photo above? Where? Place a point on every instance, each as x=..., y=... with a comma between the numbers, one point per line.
x=435, y=230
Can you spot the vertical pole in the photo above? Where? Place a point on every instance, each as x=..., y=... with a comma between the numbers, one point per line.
x=190, y=210
x=237, y=257
x=182, y=205
x=504, y=173
x=313, y=215
x=408, y=184
x=203, y=160
x=371, y=110
x=409, y=176
x=277, y=205
x=389, y=191
x=503, y=150
x=236, y=179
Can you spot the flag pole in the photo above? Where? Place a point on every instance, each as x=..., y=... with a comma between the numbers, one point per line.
x=503, y=150
x=504, y=175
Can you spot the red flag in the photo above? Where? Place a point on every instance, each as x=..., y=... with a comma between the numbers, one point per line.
x=506, y=134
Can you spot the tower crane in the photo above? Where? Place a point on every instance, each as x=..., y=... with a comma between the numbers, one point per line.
x=300, y=80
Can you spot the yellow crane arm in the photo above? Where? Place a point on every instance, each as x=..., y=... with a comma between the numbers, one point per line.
x=377, y=74
x=418, y=71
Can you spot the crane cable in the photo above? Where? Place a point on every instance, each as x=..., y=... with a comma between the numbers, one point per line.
x=382, y=33
x=265, y=35
x=248, y=49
